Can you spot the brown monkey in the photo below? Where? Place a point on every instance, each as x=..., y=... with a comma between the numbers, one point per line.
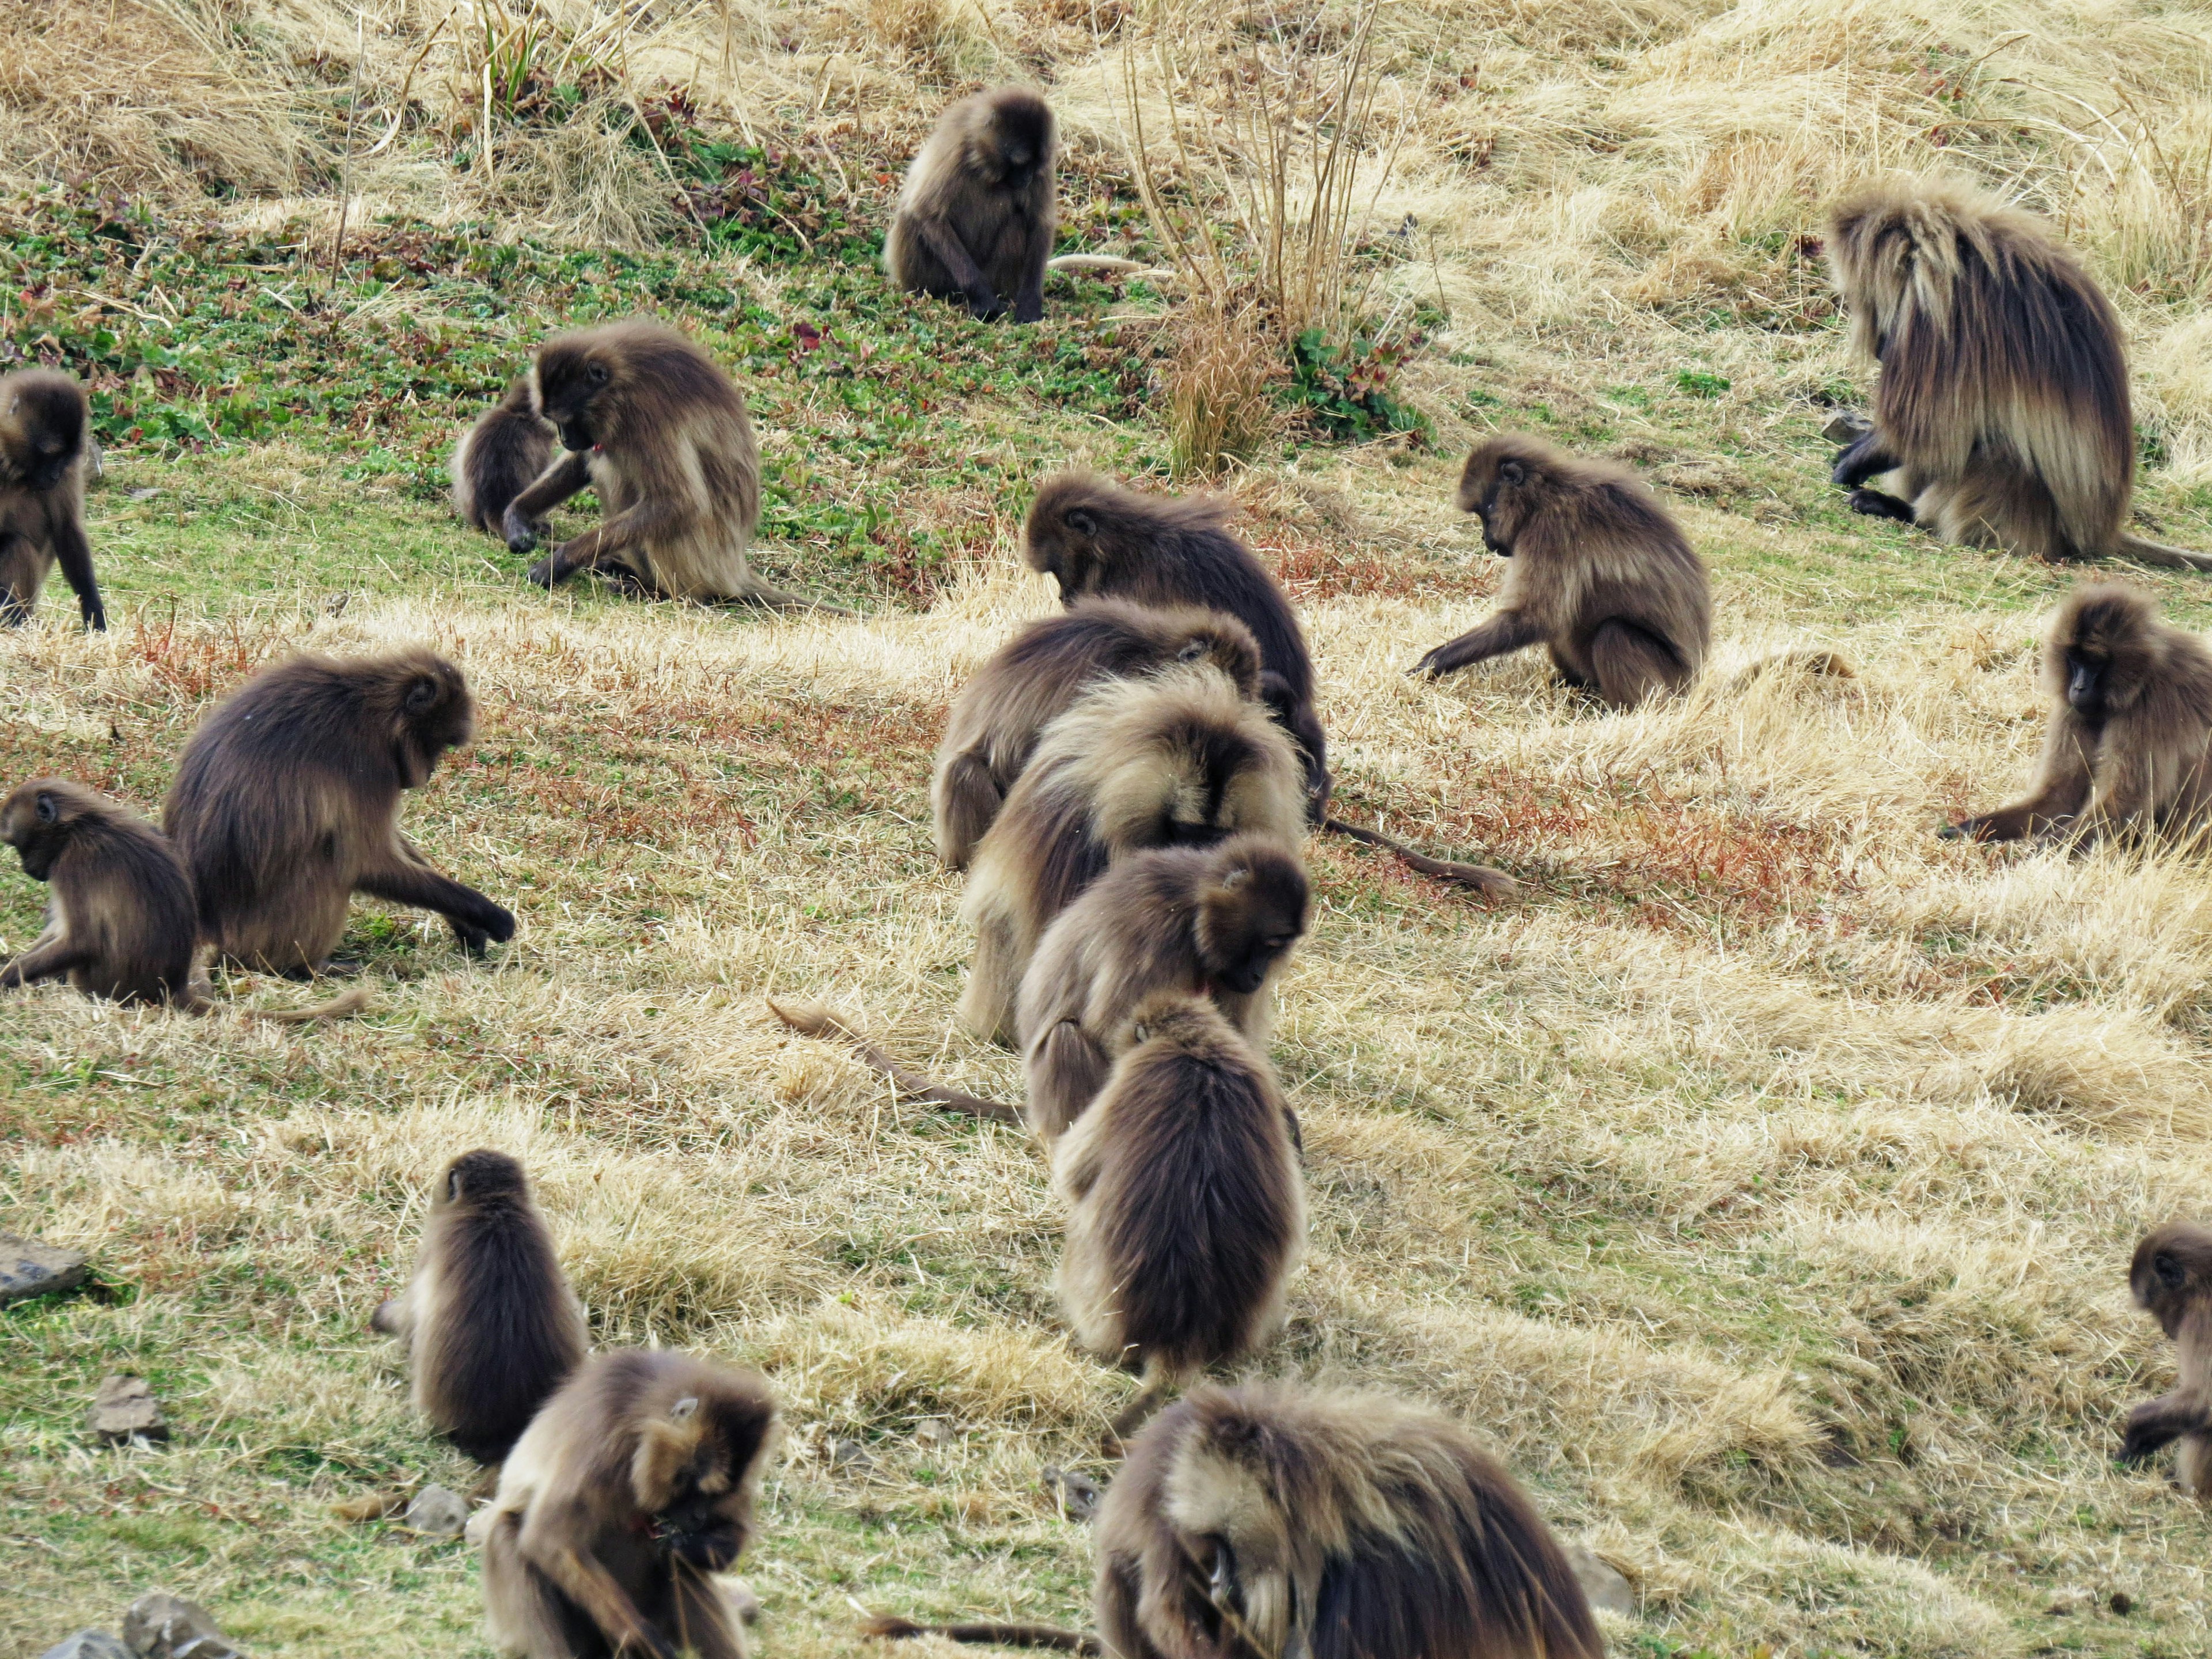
x=288, y=802
x=651, y=422
x=500, y=457
x=2003, y=399
x=489, y=1325
x=121, y=922
x=2130, y=716
x=631, y=1488
x=44, y=423
x=1178, y=759
x=1038, y=673
x=1600, y=574
x=975, y=217
x=2172, y=1278
x=1186, y=1212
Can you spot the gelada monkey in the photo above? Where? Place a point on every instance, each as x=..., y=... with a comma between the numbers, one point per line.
x=633, y=1486
x=120, y=919
x=2172, y=1278
x=500, y=457
x=44, y=438
x=652, y=424
x=2003, y=404
x=1038, y=673
x=1272, y=1520
x=490, y=1324
x=287, y=802
x=2130, y=715
x=1601, y=576
x=1185, y=1210
x=975, y=217
x=1176, y=759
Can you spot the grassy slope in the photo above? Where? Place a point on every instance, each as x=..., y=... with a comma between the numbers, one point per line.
x=1761, y=1185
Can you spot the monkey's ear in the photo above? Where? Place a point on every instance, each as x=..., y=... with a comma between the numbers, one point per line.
x=1193, y=650
x=1081, y=523
x=422, y=694
x=682, y=1410
x=1511, y=472
x=453, y=1186
x=2167, y=1269
x=47, y=810
x=598, y=373
x=1234, y=878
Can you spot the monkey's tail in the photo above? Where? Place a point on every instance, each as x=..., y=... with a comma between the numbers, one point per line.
x=812, y=1019
x=374, y=1507
x=339, y=1007
x=885, y=1627
x=2159, y=554
x=1480, y=876
x=1108, y=264
x=1816, y=661
x=1160, y=1382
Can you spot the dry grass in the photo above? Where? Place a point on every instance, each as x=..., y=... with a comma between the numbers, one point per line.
x=1220, y=383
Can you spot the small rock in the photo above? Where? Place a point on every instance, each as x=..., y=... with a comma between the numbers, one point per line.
x=143, y=495
x=436, y=1511
x=933, y=1431
x=30, y=1268
x=163, y=1626
x=124, y=1408
x=2122, y=1603
x=1607, y=1586
x=1709, y=477
x=1846, y=426
x=88, y=1644
x=851, y=1454
x=744, y=1606
x=1078, y=1495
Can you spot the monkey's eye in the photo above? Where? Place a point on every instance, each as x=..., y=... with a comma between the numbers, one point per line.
x=2167, y=1269
x=47, y=810
x=1081, y=523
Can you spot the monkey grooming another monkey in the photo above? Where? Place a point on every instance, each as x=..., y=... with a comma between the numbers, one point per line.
x=652, y=424
x=490, y=1324
x=2130, y=718
x=45, y=431
x=1038, y=673
x=1176, y=759
x=975, y=216
x=287, y=802
x=2172, y=1278
x=1600, y=575
x=500, y=457
x=630, y=1489
x=1186, y=1212
x=2003, y=402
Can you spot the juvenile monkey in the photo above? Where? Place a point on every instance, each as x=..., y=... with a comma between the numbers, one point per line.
x=490, y=1327
x=44, y=434
x=1185, y=1211
x=1178, y=759
x=1600, y=574
x=975, y=217
x=1038, y=673
x=2004, y=401
x=651, y=422
x=631, y=1488
x=499, y=458
x=287, y=802
x=2172, y=1278
x=2130, y=716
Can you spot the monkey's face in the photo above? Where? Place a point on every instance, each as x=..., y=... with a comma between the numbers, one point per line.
x=1497, y=488
x=1019, y=144
x=573, y=383
x=2173, y=1270
x=36, y=821
x=1250, y=916
x=1061, y=536
x=2086, y=677
x=44, y=428
x=436, y=713
x=703, y=1518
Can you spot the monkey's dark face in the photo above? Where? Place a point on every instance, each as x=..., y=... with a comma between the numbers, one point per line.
x=436, y=713
x=2171, y=1272
x=703, y=1521
x=1250, y=916
x=36, y=821
x=2085, y=676
x=43, y=426
x=1019, y=143
x=572, y=384
x=1063, y=535
x=1498, y=488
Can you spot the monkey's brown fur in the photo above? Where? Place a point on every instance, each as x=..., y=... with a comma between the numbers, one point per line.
x=500, y=457
x=1179, y=759
x=120, y=921
x=975, y=216
x=1037, y=674
x=652, y=424
x=631, y=1488
x=1218, y=921
x=2172, y=1278
x=44, y=435
x=1270, y=1520
x=2130, y=717
x=1186, y=1212
x=490, y=1327
x=1600, y=575
x=287, y=802
x=2004, y=401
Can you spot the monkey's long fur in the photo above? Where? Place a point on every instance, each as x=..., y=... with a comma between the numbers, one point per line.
x=2004, y=401
x=499, y=457
x=2171, y=1279
x=975, y=216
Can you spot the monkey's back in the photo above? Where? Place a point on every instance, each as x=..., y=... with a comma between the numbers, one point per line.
x=1616, y=555
x=130, y=900
x=499, y=457
x=694, y=452
x=1191, y=560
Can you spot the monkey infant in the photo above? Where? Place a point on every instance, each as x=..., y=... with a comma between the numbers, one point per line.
x=44, y=437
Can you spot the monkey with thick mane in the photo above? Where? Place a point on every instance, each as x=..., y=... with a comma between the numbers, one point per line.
x=501, y=456
x=287, y=804
x=2172, y=1280
x=1600, y=575
x=2003, y=403
x=490, y=1324
x=1038, y=673
x=975, y=216
x=2130, y=699
x=44, y=436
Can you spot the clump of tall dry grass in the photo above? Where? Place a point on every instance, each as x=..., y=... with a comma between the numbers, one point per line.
x=1222, y=371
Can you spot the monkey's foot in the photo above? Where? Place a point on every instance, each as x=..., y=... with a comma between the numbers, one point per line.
x=541, y=573
x=1875, y=505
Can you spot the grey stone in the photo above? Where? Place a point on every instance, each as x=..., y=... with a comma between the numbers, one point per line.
x=933, y=1431
x=124, y=1408
x=1846, y=426
x=30, y=1268
x=851, y=1454
x=436, y=1511
x=1077, y=1495
x=744, y=1606
x=88, y=1644
x=1607, y=1586
x=160, y=1626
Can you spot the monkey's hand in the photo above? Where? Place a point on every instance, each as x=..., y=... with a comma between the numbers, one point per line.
x=521, y=534
x=2149, y=1426
x=494, y=926
x=1030, y=309
x=96, y=614
x=1964, y=829
x=1439, y=662
x=984, y=303
x=541, y=573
